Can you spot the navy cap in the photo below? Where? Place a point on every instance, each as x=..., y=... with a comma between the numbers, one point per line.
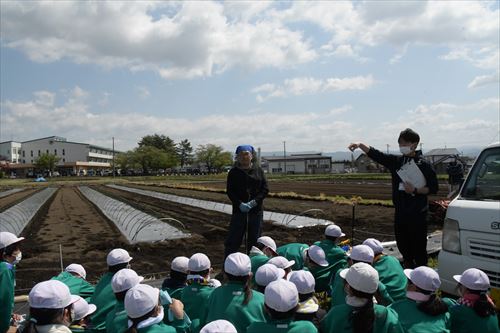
x=244, y=148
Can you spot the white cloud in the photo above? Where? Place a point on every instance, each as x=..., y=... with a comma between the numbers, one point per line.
x=181, y=40
x=340, y=110
x=307, y=86
x=143, y=92
x=484, y=80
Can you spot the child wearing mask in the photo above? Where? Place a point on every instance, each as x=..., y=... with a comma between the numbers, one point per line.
x=423, y=311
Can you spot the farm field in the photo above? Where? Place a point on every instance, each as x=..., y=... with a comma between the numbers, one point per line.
x=86, y=236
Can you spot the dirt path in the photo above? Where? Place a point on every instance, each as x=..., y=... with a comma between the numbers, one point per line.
x=15, y=198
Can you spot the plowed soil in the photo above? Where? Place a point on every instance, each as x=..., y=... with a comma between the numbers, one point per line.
x=70, y=223
x=15, y=198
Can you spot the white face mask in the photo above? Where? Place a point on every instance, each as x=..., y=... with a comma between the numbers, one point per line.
x=405, y=150
x=19, y=256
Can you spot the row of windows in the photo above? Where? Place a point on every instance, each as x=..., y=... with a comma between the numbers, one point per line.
x=24, y=161
x=47, y=151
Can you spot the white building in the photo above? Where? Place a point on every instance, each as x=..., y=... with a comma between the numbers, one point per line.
x=303, y=163
x=74, y=157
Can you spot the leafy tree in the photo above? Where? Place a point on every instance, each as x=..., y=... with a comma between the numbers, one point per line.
x=163, y=143
x=151, y=158
x=185, y=152
x=125, y=161
x=213, y=157
x=47, y=162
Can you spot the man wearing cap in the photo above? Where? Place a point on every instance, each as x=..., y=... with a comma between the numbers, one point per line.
x=281, y=300
x=364, y=254
x=10, y=255
x=360, y=314
x=317, y=264
x=389, y=270
x=196, y=294
x=410, y=200
x=122, y=281
x=104, y=297
x=423, y=310
x=246, y=188
x=235, y=301
x=178, y=276
x=74, y=276
x=294, y=252
x=335, y=255
x=261, y=252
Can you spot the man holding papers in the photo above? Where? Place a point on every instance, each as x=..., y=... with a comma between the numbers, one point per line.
x=413, y=179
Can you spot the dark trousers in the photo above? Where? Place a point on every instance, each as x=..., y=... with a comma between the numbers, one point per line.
x=237, y=230
x=411, y=238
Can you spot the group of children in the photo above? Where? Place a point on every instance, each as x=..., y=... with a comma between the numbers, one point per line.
x=273, y=289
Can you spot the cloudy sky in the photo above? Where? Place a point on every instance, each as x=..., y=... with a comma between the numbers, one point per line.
x=317, y=75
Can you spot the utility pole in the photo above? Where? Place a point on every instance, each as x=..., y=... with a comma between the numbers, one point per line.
x=113, y=138
x=387, y=148
x=284, y=155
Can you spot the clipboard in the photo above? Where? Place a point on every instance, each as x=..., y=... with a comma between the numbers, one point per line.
x=410, y=172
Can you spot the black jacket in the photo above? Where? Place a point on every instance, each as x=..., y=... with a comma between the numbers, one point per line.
x=405, y=203
x=246, y=185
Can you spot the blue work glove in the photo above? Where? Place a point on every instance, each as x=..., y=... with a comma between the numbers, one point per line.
x=252, y=203
x=165, y=298
x=244, y=207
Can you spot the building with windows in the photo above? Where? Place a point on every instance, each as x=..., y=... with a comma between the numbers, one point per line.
x=298, y=163
x=75, y=158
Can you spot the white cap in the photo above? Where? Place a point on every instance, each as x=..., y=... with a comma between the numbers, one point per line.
x=199, y=262
x=180, y=264
x=140, y=300
x=237, y=264
x=334, y=231
x=268, y=273
x=8, y=238
x=362, y=253
x=51, y=294
x=78, y=269
x=82, y=308
x=374, y=244
x=473, y=279
x=361, y=277
x=303, y=280
x=424, y=277
x=219, y=326
x=317, y=255
x=281, y=295
x=125, y=279
x=267, y=241
x=281, y=262
x=118, y=256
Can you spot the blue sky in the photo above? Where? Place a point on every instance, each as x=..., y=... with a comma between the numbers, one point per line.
x=317, y=75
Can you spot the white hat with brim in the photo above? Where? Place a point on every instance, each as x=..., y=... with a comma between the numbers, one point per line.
x=334, y=231
x=219, y=326
x=281, y=295
x=281, y=262
x=180, y=264
x=424, y=277
x=268, y=273
x=362, y=253
x=199, y=262
x=118, y=256
x=51, y=294
x=125, y=279
x=8, y=238
x=78, y=269
x=141, y=300
x=362, y=277
x=268, y=242
x=473, y=279
x=303, y=280
x=374, y=244
x=238, y=264
x=317, y=255
x=82, y=309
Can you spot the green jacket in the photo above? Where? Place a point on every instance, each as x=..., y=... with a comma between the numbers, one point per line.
x=415, y=321
x=195, y=299
x=104, y=299
x=464, y=319
x=7, y=284
x=174, y=292
x=338, y=292
x=334, y=253
x=257, y=260
x=392, y=276
x=293, y=251
x=116, y=319
x=76, y=285
x=226, y=302
x=157, y=328
x=282, y=326
x=338, y=320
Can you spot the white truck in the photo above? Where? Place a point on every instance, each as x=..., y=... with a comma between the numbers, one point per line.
x=471, y=230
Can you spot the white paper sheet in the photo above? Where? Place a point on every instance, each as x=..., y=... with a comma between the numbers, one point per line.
x=410, y=173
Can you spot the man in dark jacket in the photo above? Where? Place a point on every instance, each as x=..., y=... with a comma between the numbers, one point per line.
x=410, y=202
x=246, y=188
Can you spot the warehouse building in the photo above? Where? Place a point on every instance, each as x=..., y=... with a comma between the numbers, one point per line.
x=298, y=163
